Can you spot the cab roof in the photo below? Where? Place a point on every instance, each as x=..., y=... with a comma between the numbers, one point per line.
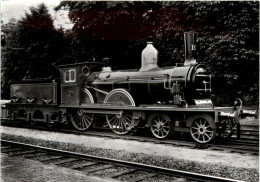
x=76, y=64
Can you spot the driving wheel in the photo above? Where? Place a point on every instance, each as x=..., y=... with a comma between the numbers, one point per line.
x=119, y=122
x=81, y=120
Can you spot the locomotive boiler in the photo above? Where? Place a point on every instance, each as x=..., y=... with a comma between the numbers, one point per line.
x=166, y=100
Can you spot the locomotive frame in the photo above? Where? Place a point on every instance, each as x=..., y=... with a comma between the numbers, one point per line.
x=172, y=99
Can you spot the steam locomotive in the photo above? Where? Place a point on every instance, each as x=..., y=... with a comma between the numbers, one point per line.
x=166, y=100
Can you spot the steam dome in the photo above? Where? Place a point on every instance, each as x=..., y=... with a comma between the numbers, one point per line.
x=149, y=57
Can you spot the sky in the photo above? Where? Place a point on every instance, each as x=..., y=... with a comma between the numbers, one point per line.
x=17, y=8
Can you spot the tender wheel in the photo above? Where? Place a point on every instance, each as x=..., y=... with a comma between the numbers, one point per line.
x=119, y=123
x=161, y=126
x=81, y=120
x=50, y=124
x=32, y=122
x=203, y=130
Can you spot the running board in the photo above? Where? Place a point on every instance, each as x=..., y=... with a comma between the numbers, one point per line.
x=102, y=112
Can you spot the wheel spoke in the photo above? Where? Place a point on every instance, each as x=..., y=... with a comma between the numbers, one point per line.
x=113, y=118
x=203, y=137
x=208, y=131
x=76, y=119
x=199, y=136
x=121, y=124
x=125, y=122
x=84, y=124
x=160, y=132
x=165, y=131
x=196, y=123
x=204, y=123
x=118, y=124
x=87, y=119
x=129, y=120
x=114, y=121
x=80, y=122
x=195, y=133
x=207, y=135
x=207, y=126
x=85, y=115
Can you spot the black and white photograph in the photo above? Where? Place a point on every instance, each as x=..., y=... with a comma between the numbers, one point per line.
x=136, y=91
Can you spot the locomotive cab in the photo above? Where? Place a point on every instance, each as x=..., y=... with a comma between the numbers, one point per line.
x=72, y=78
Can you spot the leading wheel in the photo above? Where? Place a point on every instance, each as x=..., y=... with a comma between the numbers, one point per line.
x=203, y=129
x=161, y=126
x=81, y=120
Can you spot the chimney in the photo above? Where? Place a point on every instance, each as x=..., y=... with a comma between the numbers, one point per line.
x=149, y=57
x=190, y=47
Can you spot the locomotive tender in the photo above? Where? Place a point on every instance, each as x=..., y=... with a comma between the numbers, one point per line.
x=164, y=99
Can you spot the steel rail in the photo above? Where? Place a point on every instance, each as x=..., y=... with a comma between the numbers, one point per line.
x=145, y=167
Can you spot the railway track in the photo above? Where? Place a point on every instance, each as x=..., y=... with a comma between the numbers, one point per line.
x=242, y=145
x=248, y=132
x=100, y=166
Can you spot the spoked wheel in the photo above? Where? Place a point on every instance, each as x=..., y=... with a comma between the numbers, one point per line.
x=203, y=130
x=81, y=120
x=19, y=121
x=50, y=124
x=119, y=123
x=32, y=122
x=161, y=126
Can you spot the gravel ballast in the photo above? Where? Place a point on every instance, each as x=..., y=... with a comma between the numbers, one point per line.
x=217, y=163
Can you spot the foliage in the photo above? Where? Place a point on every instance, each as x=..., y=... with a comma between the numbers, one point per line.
x=227, y=38
x=10, y=52
x=31, y=46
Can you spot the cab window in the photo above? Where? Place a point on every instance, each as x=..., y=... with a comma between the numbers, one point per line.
x=70, y=75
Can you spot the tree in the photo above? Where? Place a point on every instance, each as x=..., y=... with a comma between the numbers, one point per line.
x=41, y=42
x=11, y=55
x=32, y=46
x=227, y=33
